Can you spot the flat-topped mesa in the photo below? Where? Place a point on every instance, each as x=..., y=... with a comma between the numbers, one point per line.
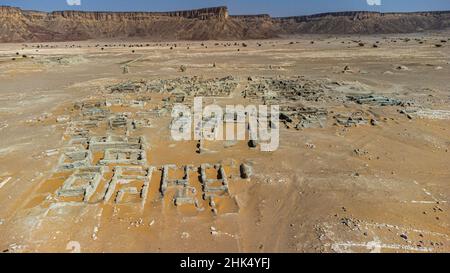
x=360, y=15
x=202, y=14
x=214, y=23
x=353, y=14
x=252, y=16
x=8, y=11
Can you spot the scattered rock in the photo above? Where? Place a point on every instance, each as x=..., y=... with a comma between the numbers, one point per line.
x=360, y=152
x=253, y=143
x=310, y=146
x=214, y=232
x=347, y=69
x=402, y=67
x=61, y=119
x=246, y=171
x=51, y=152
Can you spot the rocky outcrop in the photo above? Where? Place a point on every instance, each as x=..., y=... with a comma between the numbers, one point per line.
x=255, y=16
x=18, y=25
x=364, y=22
x=362, y=15
x=202, y=14
x=8, y=11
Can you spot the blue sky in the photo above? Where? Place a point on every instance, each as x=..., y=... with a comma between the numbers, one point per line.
x=272, y=7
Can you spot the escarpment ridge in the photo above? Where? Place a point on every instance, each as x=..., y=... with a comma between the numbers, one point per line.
x=17, y=25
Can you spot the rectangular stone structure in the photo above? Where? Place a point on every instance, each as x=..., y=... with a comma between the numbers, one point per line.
x=83, y=183
x=209, y=189
x=166, y=182
x=124, y=156
x=116, y=142
x=186, y=196
x=127, y=176
x=74, y=159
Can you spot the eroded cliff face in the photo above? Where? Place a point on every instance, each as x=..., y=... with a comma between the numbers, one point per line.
x=202, y=14
x=363, y=22
x=17, y=25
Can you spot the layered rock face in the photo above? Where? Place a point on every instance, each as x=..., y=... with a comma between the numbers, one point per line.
x=364, y=22
x=202, y=14
x=17, y=25
x=202, y=24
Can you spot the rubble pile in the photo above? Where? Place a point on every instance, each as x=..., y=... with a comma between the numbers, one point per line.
x=374, y=100
x=271, y=90
x=303, y=117
x=194, y=86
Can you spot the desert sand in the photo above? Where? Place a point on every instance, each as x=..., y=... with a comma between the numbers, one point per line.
x=365, y=169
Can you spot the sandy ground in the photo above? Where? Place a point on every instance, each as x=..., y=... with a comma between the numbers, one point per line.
x=313, y=194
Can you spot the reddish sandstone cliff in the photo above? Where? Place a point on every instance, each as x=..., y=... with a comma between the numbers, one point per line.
x=17, y=25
